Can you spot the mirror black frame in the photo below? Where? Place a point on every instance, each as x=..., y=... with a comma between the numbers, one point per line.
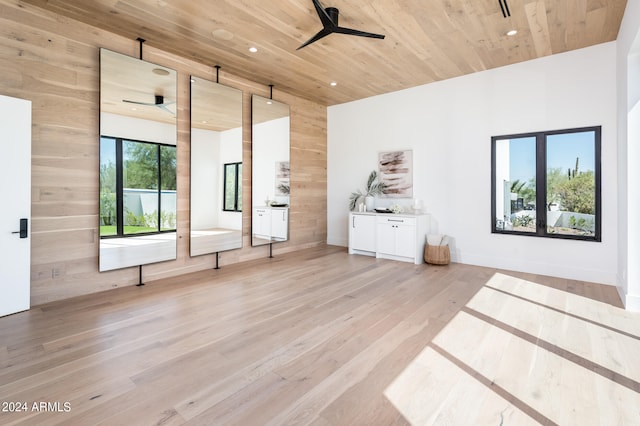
x=270, y=170
x=216, y=139
x=138, y=112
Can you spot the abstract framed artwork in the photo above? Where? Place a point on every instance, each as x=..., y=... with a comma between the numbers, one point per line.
x=396, y=172
x=283, y=173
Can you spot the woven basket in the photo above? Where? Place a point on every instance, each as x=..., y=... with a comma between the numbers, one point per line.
x=437, y=255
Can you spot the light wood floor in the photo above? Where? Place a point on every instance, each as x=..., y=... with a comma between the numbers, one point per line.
x=326, y=338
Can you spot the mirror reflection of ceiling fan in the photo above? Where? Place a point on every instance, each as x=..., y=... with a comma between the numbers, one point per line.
x=159, y=103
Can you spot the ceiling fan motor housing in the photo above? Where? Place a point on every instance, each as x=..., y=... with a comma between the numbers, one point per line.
x=333, y=13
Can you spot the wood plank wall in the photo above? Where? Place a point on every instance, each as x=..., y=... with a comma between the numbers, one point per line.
x=54, y=62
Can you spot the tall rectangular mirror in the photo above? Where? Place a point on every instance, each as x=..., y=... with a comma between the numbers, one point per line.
x=216, y=167
x=138, y=135
x=270, y=179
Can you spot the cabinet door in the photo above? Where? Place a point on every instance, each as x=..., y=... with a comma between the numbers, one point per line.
x=405, y=240
x=396, y=236
x=261, y=223
x=279, y=224
x=386, y=238
x=363, y=232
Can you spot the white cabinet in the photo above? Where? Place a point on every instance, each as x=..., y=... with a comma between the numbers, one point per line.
x=279, y=223
x=396, y=237
x=261, y=223
x=388, y=236
x=362, y=234
x=270, y=223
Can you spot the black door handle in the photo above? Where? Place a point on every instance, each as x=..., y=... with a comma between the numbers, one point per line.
x=24, y=227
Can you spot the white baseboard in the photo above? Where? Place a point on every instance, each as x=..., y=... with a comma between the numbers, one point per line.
x=332, y=241
x=631, y=302
x=586, y=273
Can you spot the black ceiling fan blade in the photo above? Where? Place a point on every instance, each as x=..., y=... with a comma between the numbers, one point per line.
x=350, y=31
x=138, y=103
x=159, y=100
x=322, y=33
x=159, y=103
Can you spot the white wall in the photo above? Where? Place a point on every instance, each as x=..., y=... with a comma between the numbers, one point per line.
x=449, y=125
x=503, y=173
x=210, y=151
x=120, y=126
x=267, y=149
x=628, y=91
x=206, y=194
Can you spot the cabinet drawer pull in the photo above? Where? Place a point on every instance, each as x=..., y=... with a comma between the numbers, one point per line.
x=395, y=220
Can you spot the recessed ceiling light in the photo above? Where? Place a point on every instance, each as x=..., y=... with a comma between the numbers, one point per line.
x=222, y=34
x=512, y=32
x=253, y=49
x=333, y=83
x=269, y=102
x=160, y=71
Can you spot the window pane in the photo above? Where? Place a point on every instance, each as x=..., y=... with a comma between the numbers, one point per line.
x=229, y=187
x=108, y=216
x=140, y=187
x=571, y=183
x=168, y=186
x=515, y=184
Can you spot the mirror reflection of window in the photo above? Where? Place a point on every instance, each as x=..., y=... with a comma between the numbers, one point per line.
x=233, y=187
x=137, y=202
x=168, y=188
x=108, y=192
x=216, y=167
x=145, y=203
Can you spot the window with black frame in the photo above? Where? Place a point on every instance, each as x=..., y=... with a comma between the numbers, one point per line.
x=547, y=184
x=137, y=187
x=232, y=187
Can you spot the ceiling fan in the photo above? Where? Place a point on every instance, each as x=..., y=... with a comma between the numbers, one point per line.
x=159, y=102
x=329, y=18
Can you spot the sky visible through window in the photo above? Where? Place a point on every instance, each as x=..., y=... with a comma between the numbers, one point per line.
x=562, y=150
x=522, y=159
x=107, y=151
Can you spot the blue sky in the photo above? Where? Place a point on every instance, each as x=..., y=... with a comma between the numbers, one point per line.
x=107, y=151
x=562, y=150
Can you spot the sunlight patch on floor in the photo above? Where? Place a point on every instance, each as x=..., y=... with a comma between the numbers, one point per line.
x=433, y=390
x=522, y=353
x=570, y=303
x=600, y=345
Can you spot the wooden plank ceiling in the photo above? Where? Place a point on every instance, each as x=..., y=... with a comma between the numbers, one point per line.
x=426, y=40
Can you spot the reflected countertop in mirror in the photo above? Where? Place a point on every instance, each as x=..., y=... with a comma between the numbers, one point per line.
x=216, y=167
